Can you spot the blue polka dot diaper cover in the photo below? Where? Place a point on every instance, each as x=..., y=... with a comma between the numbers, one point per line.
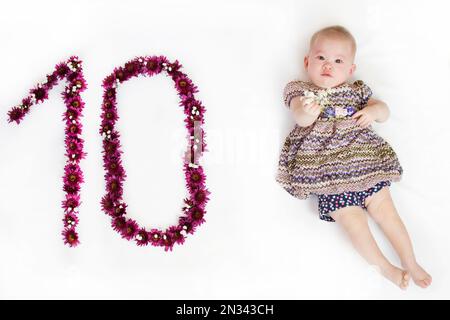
x=332, y=202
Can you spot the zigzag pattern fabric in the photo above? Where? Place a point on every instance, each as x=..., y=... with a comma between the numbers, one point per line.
x=334, y=155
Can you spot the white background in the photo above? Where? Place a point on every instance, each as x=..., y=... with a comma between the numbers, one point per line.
x=258, y=241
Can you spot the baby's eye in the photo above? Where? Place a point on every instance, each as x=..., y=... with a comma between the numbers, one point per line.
x=320, y=57
x=339, y=61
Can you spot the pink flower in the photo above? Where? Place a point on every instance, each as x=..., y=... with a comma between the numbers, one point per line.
x=195, y=177
x=120, y=209
x=167, y=241
x=114, y=186
x=130, y=230
x=197, y=214
x=39, y=93
x=119, y=224
x=155, y=237
x=74, y=148
x=62, y=70
x=109, y=81
x=200, y=196
x=176, y=234
x=52, y=79
x=142, y=237
x=153, y=65
x=15, y=114
x=71, y=202
x=70, y=237
x=70, y=220
x=108, y=204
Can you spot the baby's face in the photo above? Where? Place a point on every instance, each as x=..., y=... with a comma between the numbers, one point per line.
x=330, y=62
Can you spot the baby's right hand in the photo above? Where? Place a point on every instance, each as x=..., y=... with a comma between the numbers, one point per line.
x=310, y=107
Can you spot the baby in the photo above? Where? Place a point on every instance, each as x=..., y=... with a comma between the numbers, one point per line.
x=334, y=153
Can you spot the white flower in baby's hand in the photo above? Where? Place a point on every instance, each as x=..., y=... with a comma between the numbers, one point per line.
x=322, y=98
x=309, y=97
x=310, y=94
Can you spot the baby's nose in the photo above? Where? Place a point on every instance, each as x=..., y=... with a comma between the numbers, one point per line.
x=326, y=66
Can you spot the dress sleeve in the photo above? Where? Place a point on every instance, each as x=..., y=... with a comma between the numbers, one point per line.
x=291, y=90
x=364, y=92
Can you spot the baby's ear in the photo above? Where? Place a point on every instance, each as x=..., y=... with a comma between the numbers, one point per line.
x=352, y=69
x=306, y=62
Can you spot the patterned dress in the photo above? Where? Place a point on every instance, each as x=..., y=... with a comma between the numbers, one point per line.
x=334, y=155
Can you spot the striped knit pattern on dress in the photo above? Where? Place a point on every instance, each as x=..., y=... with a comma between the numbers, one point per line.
x=334, y=154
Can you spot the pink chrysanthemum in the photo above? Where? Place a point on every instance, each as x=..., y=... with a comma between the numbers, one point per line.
x=39, y=93
x=153, y=65
x=184, y=85
x=114, y=186
x=111, y=147
x=74, y=129
x=120, y=74
x=110, y=116
x=15, y=114
x=70, y=220
x=114, y=168
x=119, y=224
x=142, y=237
x=71, y=114
x=110, y=94
x=52, y=79
x=26, y=102
x=197, y=214
x=120, y=209
x=167, y=241
x=73, y=175
x=71, y=202
x=62, y=70
x=176, y=234
x=187, y=224
x=130, y=230
x=75, y=102
x=132, y=68
x=74, y=148
x=109, y=81
x=70, y=237
x=75, y=62
x=79, y=83
x=108, y=204
x=155, y=237
x=195, y=177
x=109, y=105
x=200, y=196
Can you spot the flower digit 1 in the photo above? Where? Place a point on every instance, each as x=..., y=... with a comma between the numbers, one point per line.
x=112, y=203
x=72, y=71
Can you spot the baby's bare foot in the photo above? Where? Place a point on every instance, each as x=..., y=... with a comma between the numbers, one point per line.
x=397, y=276
x=419, y=275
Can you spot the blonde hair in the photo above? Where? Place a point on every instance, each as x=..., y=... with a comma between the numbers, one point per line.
x=335, y=31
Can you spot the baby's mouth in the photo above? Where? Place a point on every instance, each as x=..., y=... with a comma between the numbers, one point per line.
x=326, y=75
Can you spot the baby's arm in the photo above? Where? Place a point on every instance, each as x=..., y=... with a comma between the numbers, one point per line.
x=376, y=110
x=380, y=108
x=304, y=111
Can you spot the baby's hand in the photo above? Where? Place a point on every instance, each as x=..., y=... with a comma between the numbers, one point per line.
x=309, y=106
x=365, y=116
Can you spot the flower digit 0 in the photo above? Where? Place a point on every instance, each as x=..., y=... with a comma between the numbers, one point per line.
x=72, y=71
x=193, y=211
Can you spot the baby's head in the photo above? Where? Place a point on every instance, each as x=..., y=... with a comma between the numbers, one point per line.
x=329, y=62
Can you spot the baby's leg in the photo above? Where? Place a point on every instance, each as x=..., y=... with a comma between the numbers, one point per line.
x=381, y=208
x=354, y=221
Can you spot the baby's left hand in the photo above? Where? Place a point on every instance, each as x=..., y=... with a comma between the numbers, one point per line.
x=365, y=116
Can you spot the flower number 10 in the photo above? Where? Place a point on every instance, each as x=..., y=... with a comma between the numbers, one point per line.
x=112, y=202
